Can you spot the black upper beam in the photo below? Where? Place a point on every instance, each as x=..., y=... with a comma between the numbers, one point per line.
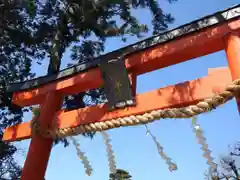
x=195, y=26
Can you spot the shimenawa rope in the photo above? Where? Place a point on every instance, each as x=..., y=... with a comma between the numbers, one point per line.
x=206, y=105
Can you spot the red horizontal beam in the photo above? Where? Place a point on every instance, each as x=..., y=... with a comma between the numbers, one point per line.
x=191, y=46
x=172, y=96
x=220, y=70
x=84, y=81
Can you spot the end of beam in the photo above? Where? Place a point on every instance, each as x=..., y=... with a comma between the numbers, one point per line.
x=18, y=132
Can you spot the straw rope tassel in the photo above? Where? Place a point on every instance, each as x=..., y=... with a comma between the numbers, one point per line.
x=171, y=166
x=110, y=154
x=202, y=141
x=86, y=164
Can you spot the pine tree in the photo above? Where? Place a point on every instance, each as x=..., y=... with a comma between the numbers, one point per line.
x=34, y=30
x=17, y=50
x=73, y=20
x=120, y=175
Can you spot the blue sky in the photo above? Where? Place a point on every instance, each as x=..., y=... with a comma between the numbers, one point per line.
x=134, y=151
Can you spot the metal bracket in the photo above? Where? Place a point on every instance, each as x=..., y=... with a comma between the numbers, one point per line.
x=117, y=86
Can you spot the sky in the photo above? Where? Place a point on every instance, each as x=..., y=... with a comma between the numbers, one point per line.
x=133, y=149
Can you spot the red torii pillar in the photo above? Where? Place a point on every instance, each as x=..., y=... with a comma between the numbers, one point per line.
x=232, y=48
x=40, y=146
x=35, y=167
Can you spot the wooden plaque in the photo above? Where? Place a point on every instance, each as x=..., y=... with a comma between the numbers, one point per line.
x=117, y=86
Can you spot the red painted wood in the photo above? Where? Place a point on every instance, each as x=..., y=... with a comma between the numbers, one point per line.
x=172, y=96
x=191, y=46
x=40, y=148
x=232, y=48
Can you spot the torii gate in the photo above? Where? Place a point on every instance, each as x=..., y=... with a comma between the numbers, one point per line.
x=204, y=36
